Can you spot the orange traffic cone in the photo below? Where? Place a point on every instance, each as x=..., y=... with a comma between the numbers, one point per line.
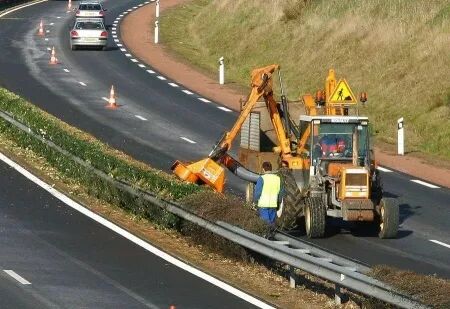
x=172, y=307
x=41, y=29
x=53, y=59
x=112, y=98
x=69, y=5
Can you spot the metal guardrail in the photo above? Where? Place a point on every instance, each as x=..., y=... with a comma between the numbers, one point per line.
x=337, y=269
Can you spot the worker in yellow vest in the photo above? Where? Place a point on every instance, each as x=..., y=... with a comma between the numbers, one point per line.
x=268, y=195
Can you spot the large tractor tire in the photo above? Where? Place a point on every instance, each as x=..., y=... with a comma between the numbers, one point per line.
x=292, y=206
x=389, y=218
x=315, y=217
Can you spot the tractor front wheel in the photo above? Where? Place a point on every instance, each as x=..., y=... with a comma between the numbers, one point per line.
x=315, y=217
x=292, y=206
x=389, y=218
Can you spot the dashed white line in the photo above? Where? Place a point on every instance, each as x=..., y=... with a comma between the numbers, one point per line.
x=204, y=100
x=114, y=28
x=161, y=77
x=383, y=169
x=129, y=10
x=187, y=92
x=440, y=243
x=48, y=48
x=16, y=276
x=134, y=60
x=82, y=84
x=423, y=183
x=58, y=17
x=51, y=24
x=151, y=71
x=106, y=99
x=46, y=39
x=128, y=55
x=116, y=40
x=67, y=71
x=188, y=140
x=114, y=32
x=173, y=85
x=120, y=45
x=135, y=7
x=224, y=108
x=48, y=31
x=122, y=49
x=134, y=239
x=140, y=117
x=124, y=13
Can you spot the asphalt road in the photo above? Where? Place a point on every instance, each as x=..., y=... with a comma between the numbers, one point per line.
x=72, y=261
x=173, y=117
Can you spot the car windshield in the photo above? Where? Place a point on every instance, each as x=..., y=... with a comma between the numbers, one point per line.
x=90, y=7
x=89, y=25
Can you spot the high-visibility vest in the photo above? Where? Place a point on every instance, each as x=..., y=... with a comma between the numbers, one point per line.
x=270, y=191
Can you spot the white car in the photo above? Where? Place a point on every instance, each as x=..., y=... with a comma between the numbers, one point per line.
x=88, y=32
x=92, y=9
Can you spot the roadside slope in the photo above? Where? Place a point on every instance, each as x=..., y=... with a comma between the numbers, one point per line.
x=163, y=59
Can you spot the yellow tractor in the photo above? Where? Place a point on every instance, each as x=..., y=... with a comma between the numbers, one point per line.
x=325, y=160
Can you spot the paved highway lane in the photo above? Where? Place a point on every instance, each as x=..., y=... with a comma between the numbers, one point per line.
x=72, y=261
x=172, y=114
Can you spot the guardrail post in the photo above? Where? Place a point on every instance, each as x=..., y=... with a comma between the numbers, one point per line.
x=157, y=9
x=400, y=137
x=156, y=32
x=292, y=276
x=221, y=71
x=338, y=294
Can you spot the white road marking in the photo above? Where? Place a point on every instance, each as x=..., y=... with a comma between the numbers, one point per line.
x=124, y=13
x=140, y=117
x=129, y=10
x=151, y=71
x=134, y=60
x=383, y=169
x=147, y=2
x=135, y=7
x=51, y=24
x=173, y=85
x=122, y=49
x=140, y=5
x=187, y=92
x=120, y=45
x=121, y=15
x=134, y=239
x=224, y=109
x=128, y=55
x=188, y=140
x=58, y=17
x=21, y=7
x=48, y=48
x=82, y=84
x=161, y=77
x=46, y=39
x=440, y=243
x=204, y=100
x=114, y=28
x=116, y=40
x=47, y=31
x=16, y=276
x=114, y=32
x=423, y=183
x=141, y=65
x=106, y=99
x=67, y=71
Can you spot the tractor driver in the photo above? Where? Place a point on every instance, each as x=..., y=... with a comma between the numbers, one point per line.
x=332, y=145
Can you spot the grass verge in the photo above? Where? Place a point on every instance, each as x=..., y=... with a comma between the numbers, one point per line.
x=394, y=50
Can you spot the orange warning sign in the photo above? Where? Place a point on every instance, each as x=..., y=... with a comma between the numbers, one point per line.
x=343, y=94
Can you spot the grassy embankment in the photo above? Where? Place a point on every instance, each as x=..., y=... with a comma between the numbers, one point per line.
x=395, y=50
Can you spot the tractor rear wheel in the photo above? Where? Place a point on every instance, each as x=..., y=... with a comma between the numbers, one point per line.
x=389, y=218
x=315, y=217
x=292, y=206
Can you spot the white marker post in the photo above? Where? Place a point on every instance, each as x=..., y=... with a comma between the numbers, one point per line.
x=157, y=9
x=156, y=32
x=221, y=71
x=400, y=137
